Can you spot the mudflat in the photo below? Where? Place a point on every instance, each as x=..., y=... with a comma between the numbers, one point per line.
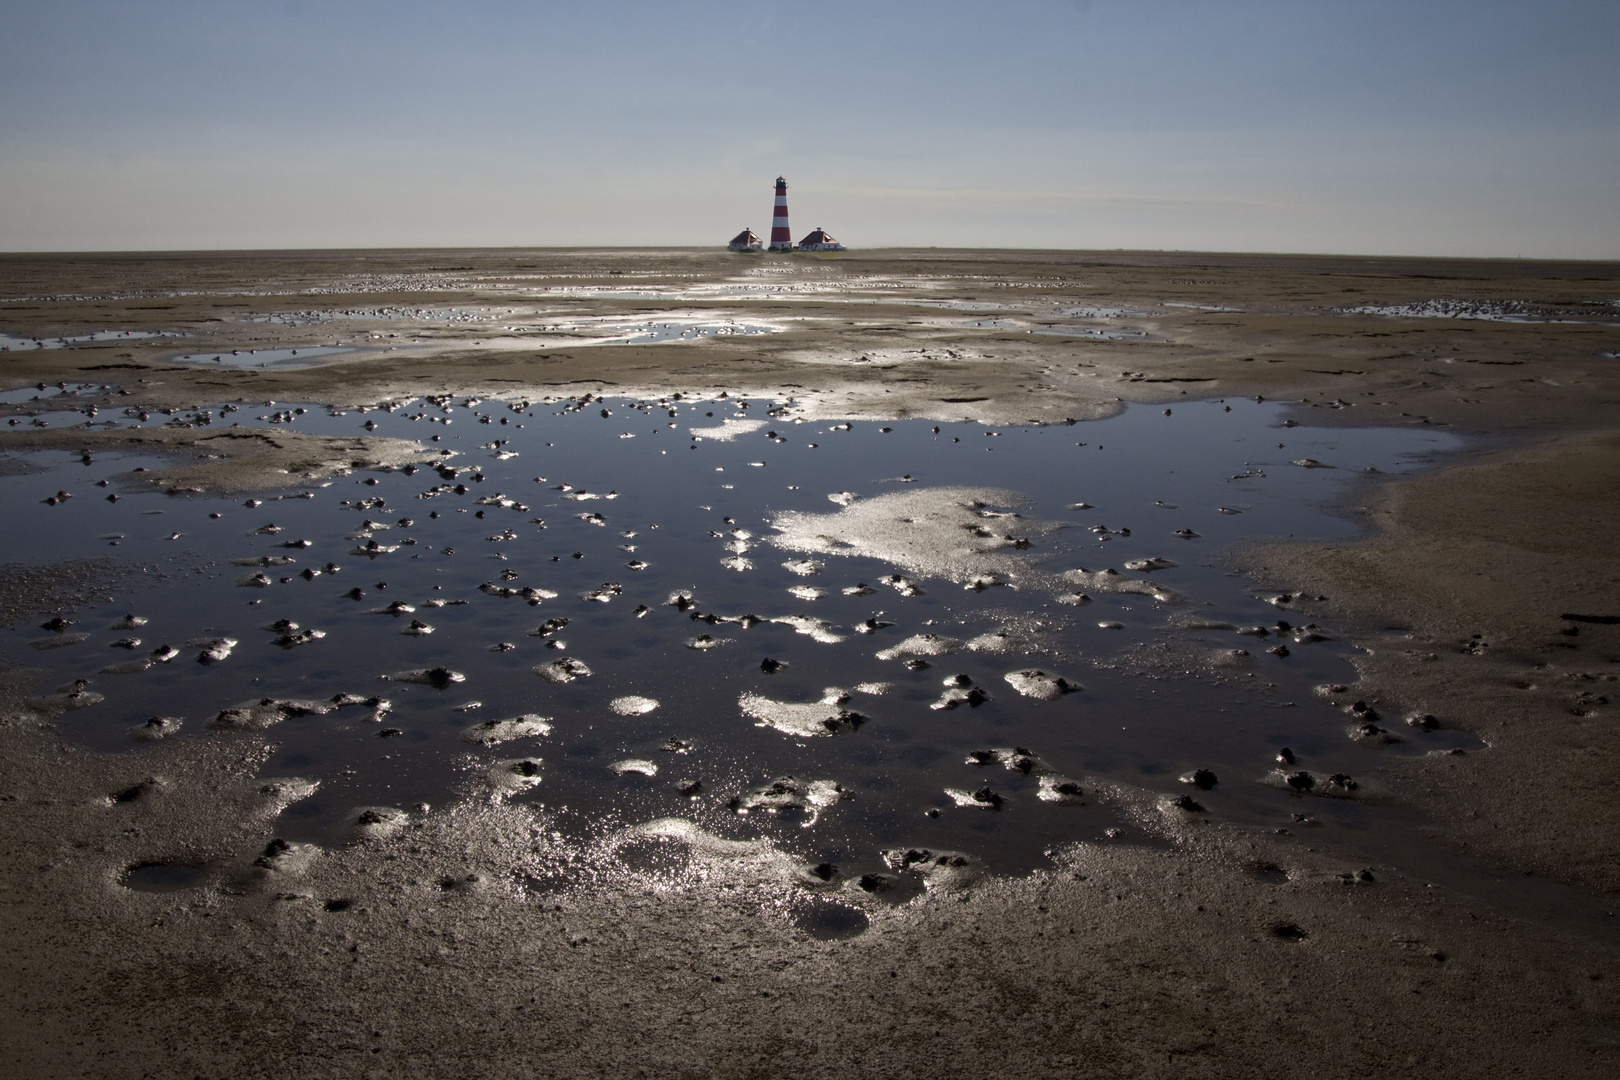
x=1446, y=912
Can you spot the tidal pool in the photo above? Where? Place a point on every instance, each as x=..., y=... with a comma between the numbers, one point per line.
x=1059, y=331
x=18, y=342
x=636, y=330
x=849, y=638
x=303, y=356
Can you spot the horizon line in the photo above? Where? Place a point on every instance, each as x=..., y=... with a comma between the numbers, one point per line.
x=721, y=249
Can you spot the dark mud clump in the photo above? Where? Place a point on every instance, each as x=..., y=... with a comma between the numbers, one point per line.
x=786, y=794
x=493, y=732
x=267, y=712
x=1038, y=684
x=438, y=677
x=825, y=717
x=564, y=669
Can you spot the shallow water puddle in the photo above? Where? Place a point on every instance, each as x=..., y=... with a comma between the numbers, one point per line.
x=162, y=877
x=1519, y=311
x=630, y=330
x=60, y=404
x=829, y=921
x=851, y=638
x=1094, y=332
x=29, y=395
x=304, y=356
x=1057, y=330
x=18, y=342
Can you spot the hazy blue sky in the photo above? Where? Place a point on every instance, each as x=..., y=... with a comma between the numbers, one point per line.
x=1415, y=127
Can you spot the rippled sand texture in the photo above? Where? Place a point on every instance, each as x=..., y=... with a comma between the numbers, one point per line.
x=172, y=909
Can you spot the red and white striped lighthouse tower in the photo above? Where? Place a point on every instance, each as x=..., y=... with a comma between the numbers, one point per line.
x=781, y=235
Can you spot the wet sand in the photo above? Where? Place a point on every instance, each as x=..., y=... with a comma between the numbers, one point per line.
x=1198, y=949
x=1499, y=581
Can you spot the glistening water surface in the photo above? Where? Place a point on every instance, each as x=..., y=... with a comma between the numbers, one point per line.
x=677, y=604
x=17, y=342
x=304, y=356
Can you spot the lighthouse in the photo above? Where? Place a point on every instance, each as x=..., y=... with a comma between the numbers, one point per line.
x=781, y=235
